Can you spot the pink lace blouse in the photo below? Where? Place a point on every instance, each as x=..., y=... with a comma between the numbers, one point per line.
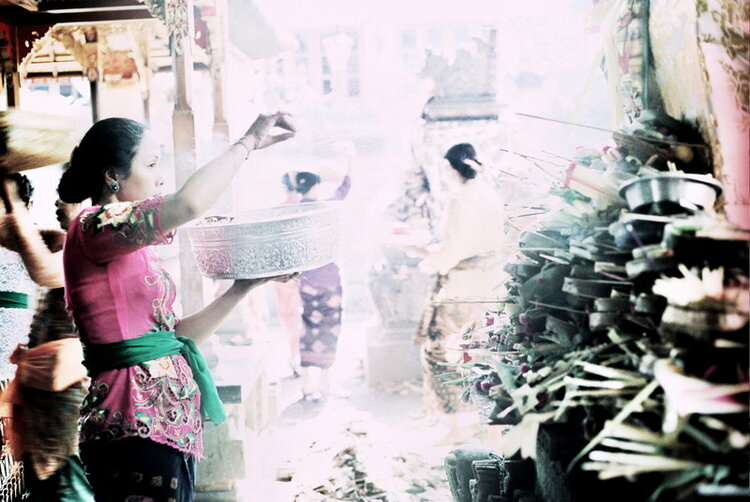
x=116, y=289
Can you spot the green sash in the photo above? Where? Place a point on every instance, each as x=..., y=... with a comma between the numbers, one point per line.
x=153, y=345
x=13, y=300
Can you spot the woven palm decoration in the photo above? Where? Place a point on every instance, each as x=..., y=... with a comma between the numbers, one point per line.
x=29, y=140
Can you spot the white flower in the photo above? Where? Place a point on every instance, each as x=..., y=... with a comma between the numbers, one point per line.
x=115, y=214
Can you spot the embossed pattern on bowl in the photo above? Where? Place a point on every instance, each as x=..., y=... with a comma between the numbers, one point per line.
x=267, y=242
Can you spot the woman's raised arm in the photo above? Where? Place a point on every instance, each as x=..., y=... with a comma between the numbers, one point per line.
x=205, y=186
x=21, y=235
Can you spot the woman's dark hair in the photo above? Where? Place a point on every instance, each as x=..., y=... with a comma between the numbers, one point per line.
x=457, y=155
x=304, y=181
x=286, y=182
x=109, y=145
x=25, y=188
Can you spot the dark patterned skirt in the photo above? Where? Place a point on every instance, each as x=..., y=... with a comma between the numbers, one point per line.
x=443, y=319
x=437, y=395
x=320, y=291
x=139, y=470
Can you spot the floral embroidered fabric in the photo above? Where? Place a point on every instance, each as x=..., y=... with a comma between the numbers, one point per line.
x=116, y=289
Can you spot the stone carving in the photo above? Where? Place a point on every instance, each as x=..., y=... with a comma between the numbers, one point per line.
x=175, y=14
x=466, y=88
x=469, y=74
x=268, y=242
x=399, y=290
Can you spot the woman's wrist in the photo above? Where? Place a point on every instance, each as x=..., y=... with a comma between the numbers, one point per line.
x=247, y=143
x=238, y=288
x=241, y=147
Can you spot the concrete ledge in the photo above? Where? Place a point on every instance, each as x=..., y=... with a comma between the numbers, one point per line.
x=217, y=496
x=229, y=393
x=224, y=463
x=249, y=398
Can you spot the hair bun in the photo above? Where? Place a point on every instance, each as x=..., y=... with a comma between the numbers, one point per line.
x=304, y=181
x=74, y=185
x=457, y=156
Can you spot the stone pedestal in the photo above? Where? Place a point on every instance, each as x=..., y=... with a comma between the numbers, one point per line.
x=224, y=462
x=223, y=466
x=462, y=108
x=249, y=396
x=400, y=292
x=391, y=355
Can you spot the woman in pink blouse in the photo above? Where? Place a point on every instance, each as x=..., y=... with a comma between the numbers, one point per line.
x=141, y=423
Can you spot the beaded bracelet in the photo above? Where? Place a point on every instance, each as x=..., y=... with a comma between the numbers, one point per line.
x=242, y=143
x=239, y=142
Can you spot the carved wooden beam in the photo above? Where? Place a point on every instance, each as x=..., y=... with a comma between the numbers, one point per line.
x=86, y=5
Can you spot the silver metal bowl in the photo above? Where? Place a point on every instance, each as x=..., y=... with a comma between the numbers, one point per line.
x=689, y=191
x=267, y=242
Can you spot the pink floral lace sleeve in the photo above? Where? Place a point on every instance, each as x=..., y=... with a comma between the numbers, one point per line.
x=122, y=227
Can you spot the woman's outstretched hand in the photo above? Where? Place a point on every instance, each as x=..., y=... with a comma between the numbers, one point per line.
x=248, y=284
x=259, y=135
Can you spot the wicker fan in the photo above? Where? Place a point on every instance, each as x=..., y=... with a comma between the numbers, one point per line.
x=29, y=140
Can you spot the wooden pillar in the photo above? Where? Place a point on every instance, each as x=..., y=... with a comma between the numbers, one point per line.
x=146, y=92
x=13, y=89
x=94, y=88
x=142, y=38
x=183, y=131
x=147, y=97
x=219, y=41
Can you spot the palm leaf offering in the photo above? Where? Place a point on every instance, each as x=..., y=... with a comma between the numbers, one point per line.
x=628, y=332
x=29, y=140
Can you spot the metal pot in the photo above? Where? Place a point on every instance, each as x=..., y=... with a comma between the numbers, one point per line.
x=669, y=193
x=267, y=242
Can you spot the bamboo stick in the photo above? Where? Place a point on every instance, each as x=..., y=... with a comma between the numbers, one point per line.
x=605, y=384
x=657, y=462
x=606, y=371
x=602, y=129
x=599, y=393
x=629, y=446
